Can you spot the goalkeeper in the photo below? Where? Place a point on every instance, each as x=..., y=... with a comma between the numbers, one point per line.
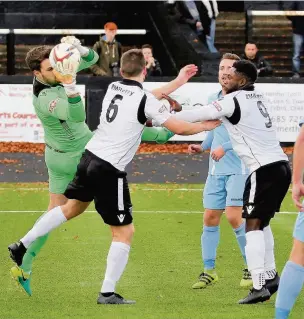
x=60, y=109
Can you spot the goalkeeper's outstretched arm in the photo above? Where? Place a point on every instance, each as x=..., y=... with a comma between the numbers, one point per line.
x=160, y=135
x=88, y=56
x=88, y=60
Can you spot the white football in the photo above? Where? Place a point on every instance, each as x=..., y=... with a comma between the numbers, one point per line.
x=63, y=51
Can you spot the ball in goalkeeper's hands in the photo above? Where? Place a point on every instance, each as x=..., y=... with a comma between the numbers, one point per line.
x=65, y=59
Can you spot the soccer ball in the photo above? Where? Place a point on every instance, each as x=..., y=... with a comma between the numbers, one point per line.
x=63, y=51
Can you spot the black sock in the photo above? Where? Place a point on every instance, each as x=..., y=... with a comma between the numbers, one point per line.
x=107, y=294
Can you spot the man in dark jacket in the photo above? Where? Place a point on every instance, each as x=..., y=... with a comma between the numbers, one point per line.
x=252, y=54
x=200, y=15
x=109, y=51
x=152, y=65
x=298, y=34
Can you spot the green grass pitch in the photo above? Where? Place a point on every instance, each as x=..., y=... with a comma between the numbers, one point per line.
x=165, y=260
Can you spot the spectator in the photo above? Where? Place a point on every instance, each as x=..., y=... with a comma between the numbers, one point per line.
x=109, y=51
x=200, y=15
x=298, y=34
x=212, y=13
x=152, y=65
x=252, y=54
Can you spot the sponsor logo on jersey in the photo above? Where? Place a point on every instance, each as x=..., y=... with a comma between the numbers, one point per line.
x=121, y=217
x=253, y=96
x=217, y=106
x=52, y=105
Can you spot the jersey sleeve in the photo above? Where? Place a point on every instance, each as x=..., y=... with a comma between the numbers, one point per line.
x=227, y=146
x=215, y=110
x=159, y=135
x=50, y=103
x=155, y=110
x=88, y=60
x=208, y=141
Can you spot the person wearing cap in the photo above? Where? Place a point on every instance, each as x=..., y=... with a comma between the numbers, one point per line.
x=109, y=51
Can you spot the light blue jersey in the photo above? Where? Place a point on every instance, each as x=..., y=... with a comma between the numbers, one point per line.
x=298, y=232
x=230, y=163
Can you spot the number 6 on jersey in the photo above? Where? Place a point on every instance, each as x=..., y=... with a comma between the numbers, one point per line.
x=113, y=108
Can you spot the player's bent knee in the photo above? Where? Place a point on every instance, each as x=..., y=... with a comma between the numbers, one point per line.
x=56, y=200
x=123, y=234
x=234, y=216
x=253, y=224
x=212, y=217
x=73, y=208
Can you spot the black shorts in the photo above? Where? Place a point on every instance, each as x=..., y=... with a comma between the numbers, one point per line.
x=265, y=190
x=100, y=181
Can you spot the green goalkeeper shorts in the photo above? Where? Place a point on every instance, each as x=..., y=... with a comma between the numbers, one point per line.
x=61, y=168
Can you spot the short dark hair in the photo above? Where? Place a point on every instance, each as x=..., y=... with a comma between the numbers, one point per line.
x=252, y=42
x=147, y=46
x=132, y=63
x=36, y=55
x=247, y=69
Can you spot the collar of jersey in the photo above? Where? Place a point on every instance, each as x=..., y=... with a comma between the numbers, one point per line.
x=41, y=82
x=131, y=83
x=248, y=87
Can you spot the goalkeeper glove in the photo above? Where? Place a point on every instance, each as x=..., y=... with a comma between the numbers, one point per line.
x=71, y=88
x=65, y=73
x=70, y=39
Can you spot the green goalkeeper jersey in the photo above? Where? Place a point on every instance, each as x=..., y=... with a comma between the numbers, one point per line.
x=63, y=118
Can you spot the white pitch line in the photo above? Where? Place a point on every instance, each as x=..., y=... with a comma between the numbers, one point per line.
x=172, y=189
x=23, y=189
x=136, y=211
x=140, y=189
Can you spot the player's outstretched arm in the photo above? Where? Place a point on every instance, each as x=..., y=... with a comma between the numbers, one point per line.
x=185, y=128
x=158, y=112
x=298, y=167
x=88, y=56
x=183, y=77
x=212, y=111
x=88, y=61
x=51, y=101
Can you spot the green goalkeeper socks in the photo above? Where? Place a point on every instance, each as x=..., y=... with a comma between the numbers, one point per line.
x=156, y=134
x=32, y=252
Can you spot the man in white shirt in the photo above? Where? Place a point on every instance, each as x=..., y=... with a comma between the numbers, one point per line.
x=101, y=172
x=253, y=137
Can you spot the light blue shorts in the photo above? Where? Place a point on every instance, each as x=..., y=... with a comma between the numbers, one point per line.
x=298, y=232
x=224, y=190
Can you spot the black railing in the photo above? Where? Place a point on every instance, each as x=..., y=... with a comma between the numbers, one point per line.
x=11, y=33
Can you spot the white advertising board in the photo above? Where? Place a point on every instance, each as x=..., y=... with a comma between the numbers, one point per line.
x=18, y=121
x=286, y=105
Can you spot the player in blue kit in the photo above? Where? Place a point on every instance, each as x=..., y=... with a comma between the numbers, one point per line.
x=223, y=190
x=292, y=278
